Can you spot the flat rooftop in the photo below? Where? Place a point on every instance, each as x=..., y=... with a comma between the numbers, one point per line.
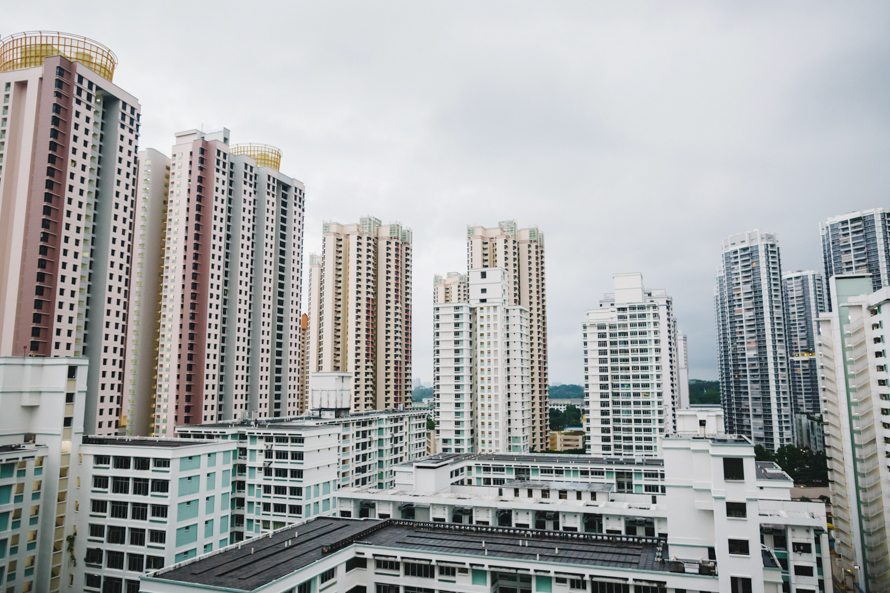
x=769, y=470
x=440, y=458
x=554, y=485
x=146, y=442
x=258, y=562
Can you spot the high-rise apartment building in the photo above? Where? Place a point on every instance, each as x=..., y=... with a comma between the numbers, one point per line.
x=631, y=370
x=855, y=382
x=520, y=252
x=68, y=140
x=804, y=302
x=683, y=362
x=751, y=340
x=43, y=401
x=229, y=334
x=140, y=382
x=481, y=374
x=858, y=243
x=360, y=311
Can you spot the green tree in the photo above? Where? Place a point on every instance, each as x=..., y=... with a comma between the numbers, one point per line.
x=562, y=420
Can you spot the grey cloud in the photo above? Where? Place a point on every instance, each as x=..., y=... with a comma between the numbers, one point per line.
x=635, y=134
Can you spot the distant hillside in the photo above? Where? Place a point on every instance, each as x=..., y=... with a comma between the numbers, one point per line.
x=704, y=392
x=420, y=393
x=567, y=391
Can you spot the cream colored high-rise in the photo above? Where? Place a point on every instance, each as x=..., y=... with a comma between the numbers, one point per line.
x=521, y=253
x=360, y=311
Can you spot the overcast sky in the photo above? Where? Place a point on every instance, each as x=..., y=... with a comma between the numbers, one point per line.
x=635, y=135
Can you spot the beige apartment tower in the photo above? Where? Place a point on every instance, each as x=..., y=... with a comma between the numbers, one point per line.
x=521, y=253
x=360, y=311
x=68, y=140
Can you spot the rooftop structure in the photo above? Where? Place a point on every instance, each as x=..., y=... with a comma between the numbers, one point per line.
x=30, y=49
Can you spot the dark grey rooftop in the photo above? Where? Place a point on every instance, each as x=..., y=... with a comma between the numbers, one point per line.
x=145, y=442
x=768, y=470
x=255, y=563
x=259, y=561
x=540, y=458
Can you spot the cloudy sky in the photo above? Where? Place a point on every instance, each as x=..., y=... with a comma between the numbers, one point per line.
x=635, y=134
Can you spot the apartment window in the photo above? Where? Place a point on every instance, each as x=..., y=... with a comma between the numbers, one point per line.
x=327, y=575
x=736, y=510
x=97, y=531
x=121, y=463
x=116, y=534
x=733, y=468
x=739, y=547
x=99, y=506
x=140, y=511
x=100, y=482
x=114, y=559
x=158, y=511
x=157, y=537
x=802, y=547
x=354, y=563
x=740, y=585
x=94, y=556
x=154, y=562
x=137, y=537
x=803, y=571
x=140, y=486
x=118, y=509
x=383, y=564
x=447, y=571
x=120, y=485
x=414, y=569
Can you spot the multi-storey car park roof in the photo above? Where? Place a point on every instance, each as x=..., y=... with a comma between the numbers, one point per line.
x=254, y=564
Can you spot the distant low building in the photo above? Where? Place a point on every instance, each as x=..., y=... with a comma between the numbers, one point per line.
x=570, y=439
x=561, y=405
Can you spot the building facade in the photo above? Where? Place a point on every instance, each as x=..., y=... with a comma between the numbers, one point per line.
x=481, y=366
x=143, y=316
x=855, y=385
x=229, y=337
x=143, y=504
x=360, y=295
x=631, y=370
x=858, y=243
x=68, y=140
x=751, y=340
x=21, y=498
x=804, y=302
x=520, y=252
x=43, y=401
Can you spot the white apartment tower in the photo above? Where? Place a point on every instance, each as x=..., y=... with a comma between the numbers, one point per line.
x=360, y=311
x=683, y=362
x=631, y=370
x=855, y=383
x=858, y=243
x=520, y=252
x=153, y=184
x=751, y=340
x=229, y=336
x=481, y=365
x=68, y=138
x=804, y=302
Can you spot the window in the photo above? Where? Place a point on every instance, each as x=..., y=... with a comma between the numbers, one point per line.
x=736, y=510
x=739, y=585
x=305, y=587
x=154, y=562
x=140, y=486
x=733, y=469
x=384, y=564
x=157, y=537
x=99, y=506
x=803, y=571
x=447, y=571
x=327, y=575
x=120, y=485
x=801, y=547
x=100, y=482
x=158, y=511
x=137, y=537
x=415, y=569
x=97, y=531
x=354, y=563
x=114, y=559
x=139, y=511
x=116, y=534
x=94, y=556
x=135, y=562
x=121, y=463
x=386, y=588
x=739, y=547
x=118, y=509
